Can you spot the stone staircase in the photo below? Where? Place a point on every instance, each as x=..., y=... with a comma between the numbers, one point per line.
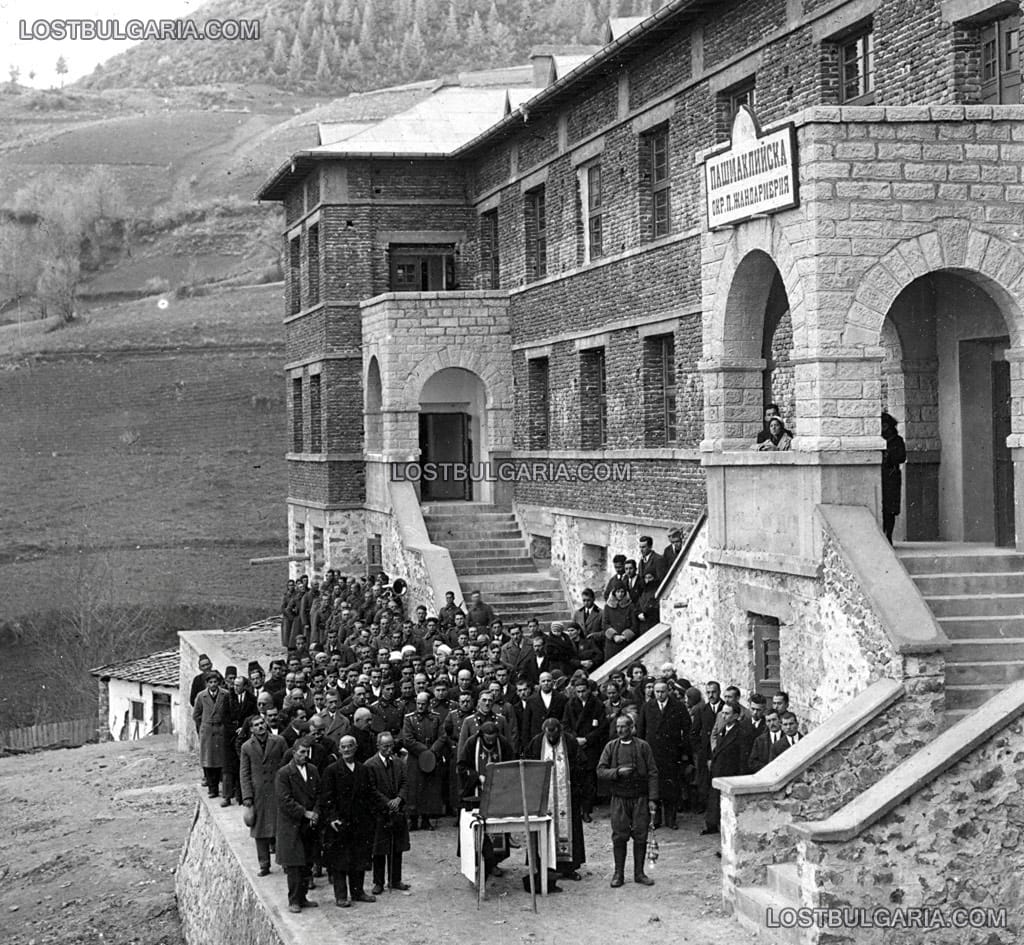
x=758, y=907
x=489, y=553
x=976, y=593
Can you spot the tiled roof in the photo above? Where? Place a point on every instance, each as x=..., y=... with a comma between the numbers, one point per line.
x=450, y=117
x=158, y=668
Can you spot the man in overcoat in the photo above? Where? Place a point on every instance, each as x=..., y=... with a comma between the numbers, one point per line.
x=423, y=732
x=664, y=724
x=346, y=808
x=298, y=787
x=261, y=756
x=212, y=715
x=391, y=834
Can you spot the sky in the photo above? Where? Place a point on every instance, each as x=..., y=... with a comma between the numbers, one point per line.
x=80, y=55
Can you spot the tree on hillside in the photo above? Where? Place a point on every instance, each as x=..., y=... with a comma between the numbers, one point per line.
x=323, y=70
x=279, y=62
x=295, y=61
x=14, y=72
x=70, y=223
x=62, y=69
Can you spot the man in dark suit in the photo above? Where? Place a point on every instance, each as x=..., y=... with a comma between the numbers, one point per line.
x=532, y=661
x=702, y=721
x=673, y=549
x=391, y=831
x=588, y=617
x=764, y=744
x=728, y=759
x=241, y=705
x=665, y=725
x=346, y=811
x=618, y=576
x=650, y=561
x=297, y=786
x=755, y=722
x=790, y=734
x=513, y=649
x=632, y=581
x=584, y=720
x=545, y=703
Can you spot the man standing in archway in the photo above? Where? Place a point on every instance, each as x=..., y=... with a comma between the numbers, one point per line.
x=893, y=456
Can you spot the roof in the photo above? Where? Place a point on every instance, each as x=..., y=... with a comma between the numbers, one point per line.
x=160, y=669
x=331, y=132
x=620, y=25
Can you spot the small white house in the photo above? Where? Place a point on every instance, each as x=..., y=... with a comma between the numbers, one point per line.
x=138, y=697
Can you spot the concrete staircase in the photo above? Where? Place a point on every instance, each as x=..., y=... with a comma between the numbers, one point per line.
x=976, y=593
x=758, y=907
x=490, y=554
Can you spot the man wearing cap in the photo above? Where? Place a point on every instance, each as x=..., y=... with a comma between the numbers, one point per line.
x=629, y=772
x=212, y=716
x=346, y=811
x=241, y=705
x=424, y=739
x=199, y=680
x=261, y=757
x=297, y=786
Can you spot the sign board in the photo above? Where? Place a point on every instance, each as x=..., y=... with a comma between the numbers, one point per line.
x=502, y=793
x=755, y=175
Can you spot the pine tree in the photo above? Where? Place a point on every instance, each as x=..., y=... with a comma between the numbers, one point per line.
x=367, y=30
x=327, y=13
x=323, y=70
x=500, y=40
x=295, y=61
x=413, y=53
x=279, y=63
x=307, y=20
x=590, y=29
x=450, y=36
x=476, y=38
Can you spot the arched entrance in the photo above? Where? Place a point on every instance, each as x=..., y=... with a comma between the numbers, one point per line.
x=946, y=378
x=453, y=436
x=374, y=423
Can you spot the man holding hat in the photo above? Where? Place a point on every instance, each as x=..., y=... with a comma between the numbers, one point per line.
x=424, y=739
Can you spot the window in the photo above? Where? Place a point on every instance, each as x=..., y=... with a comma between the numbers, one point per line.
x=593, y=400
x=1000, y=61
x=299, y=538
x=595, y=564
x=656, y=190
x=316, y=425
x=138, y=711
x=294, y=276
x=489, y=258
x=857, y=69
x=536, y=235
x=538, y=410
x=589, y=180
x=318, y=552
x=660, y=390
x=297, y=437
x=313, y=263
x=312, y=191
x=422, y=267
x=764, y=633
x=374, y=555
x=742, y=94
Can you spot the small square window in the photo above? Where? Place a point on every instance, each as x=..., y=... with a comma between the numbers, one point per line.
x=857, y=62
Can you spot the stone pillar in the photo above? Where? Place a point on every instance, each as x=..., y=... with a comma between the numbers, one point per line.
x=103, y=729
x=1016, y=439
x=733, y=402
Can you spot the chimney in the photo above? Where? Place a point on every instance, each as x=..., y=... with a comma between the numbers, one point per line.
x=543, y=68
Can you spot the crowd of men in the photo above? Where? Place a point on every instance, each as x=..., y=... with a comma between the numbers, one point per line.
x=377, y=723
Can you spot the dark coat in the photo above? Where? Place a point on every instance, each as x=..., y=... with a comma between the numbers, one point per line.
x=668, y=732
x=703, y=723
x=560, y=653
x=781, y=745
x=295, y=796
x=587, y=720
x=239, y=711
x=390, y=827
x=420, y=734
x=588, y=623
x=669, y=555
x=258, y=767
x=618, y=620
x=212, y=716
x=527, y=667
x=729, y=757
x=893, y=456
x=536, y=712
x=347, y=796
x=760, y=753
x=468, y=775
x=654, y=564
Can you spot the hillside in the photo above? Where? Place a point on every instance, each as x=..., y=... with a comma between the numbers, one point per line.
x=349, y=45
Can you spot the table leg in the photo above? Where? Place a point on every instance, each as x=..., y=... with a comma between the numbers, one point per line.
x=542, y=842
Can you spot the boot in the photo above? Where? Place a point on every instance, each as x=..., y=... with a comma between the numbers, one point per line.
x=639, y=854
x=619, y=852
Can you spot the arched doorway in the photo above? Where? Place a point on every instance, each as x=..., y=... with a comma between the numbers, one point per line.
x=374, y=426
x=946, y=379
x=453, y=436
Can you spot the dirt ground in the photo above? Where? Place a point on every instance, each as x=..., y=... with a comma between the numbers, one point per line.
x=91, y=839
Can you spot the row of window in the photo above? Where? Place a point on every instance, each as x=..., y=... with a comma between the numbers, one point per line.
x=316, y=426
x=296, y=302
x=659, y=391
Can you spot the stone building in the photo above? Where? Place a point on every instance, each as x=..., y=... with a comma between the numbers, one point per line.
x=817, y=203
x=139, y=697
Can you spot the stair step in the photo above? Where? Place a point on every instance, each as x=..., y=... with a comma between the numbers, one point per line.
x=939, y=564
x=752, y=910
x=515, y=583
x=784, y=880
x=988, y=651
x=477, y=545
x=483, y=516
x=442, y=534
x=968, y=583
x=522, y=565
x=976, y=605
x=497, y=557
x=984, y=673
x=961, y=628
x=951, y=716
x=970, y=696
